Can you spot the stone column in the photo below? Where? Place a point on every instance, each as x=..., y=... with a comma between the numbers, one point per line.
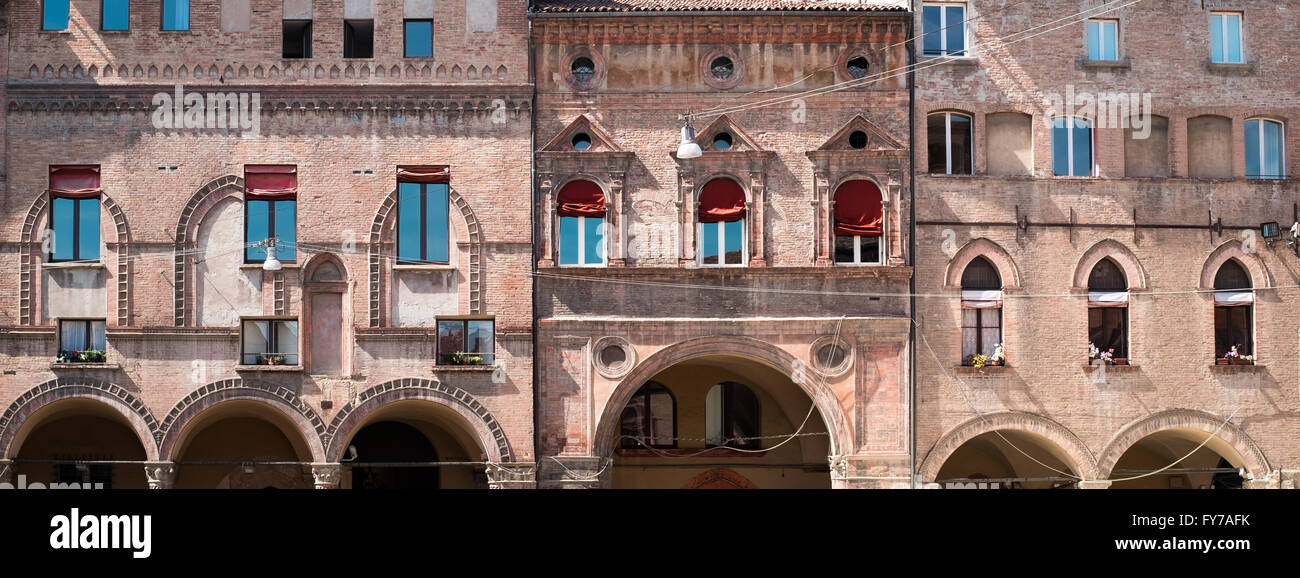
x=161, y=475
x=756, y=208
x=688, y=205
x=615, y=247
x=1093, y=484
x=546, y=187
x=512, y=475
x=326, y=475
x=574, y=472
x=822, y=216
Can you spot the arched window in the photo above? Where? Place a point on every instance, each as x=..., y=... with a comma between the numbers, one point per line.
x=731, y=417
x=1233, y=305
x=650, y=418
x=581, y=208
x=859, y=218
x=1265, y=149
x=74, y=211
x=950, y=143
x=721, y=229
x=423, y=213
x=1108, y=313
x=981, y=310
x=1071, y=147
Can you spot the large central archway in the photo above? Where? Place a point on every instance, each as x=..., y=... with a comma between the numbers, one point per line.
x=81, y=428
x=396, y=444
x=242, y=444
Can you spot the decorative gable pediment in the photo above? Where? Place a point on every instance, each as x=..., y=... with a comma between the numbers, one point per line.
x=582, y=129
x=877, y=138
x=721, y=130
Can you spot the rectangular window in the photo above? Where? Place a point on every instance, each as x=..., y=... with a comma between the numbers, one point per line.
x=358, y=39
x=1225, y=37
x=81, y=341
x=75, y=226
x=175, y=14
x=54, y=15
x=1232, y=328
x=466, y=342
x=1071, y=147
x=117, y=15
x=981, y=331
x=857, y=250
x=423, y=234
x=1108, y=329
x=1103, y=40
x=950, y=145
x=296, y=39
x=582, y=241
x=944, y=29
x=1264, y=149
x=419, y=38
x=270, y=220
x=270, y=342
x=723, y=241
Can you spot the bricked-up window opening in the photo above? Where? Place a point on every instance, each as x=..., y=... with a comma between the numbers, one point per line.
x=1265, y=149
x=81, y=340
x=1149, y=156
x=732, y=417
x=1103, y=40
x=1233, y=310
x=858, y=67
x=951, y=146
x=466, y=342
x=270, y=342
x=1009, y=143
x=423, y=228
x=858, y=223
x=418, y=38
x=858, y=139
x=74, y=213
x=1225, y=38
x=721, y=229
x=581, y=209
x=1071, y=147
x=583, y=69
x=944, y=29
x=271, y=211
x=722, y=68
x=1210, y=150
x=649, y=418
x=1108, y=309
x=296, y=39
x=981, y=313
x=116, y=15
x=86, y=475
x=175, y=14
x=54, y=14
x=581, y=141
x=358, y=39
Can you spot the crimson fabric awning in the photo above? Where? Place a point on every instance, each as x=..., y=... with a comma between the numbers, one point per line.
x=424, y=174
x=581, y=199
x=75, y=181
x=858, y=210
x=270, y=182
x=722, y=201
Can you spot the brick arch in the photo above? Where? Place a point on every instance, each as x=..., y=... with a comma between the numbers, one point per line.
x=377, y=245
x=1252, y=457
x=120, y=400
x=993, y=252
x=1260, y=277
x=29, y=252
x=719, y=479
x=186, y=230
x=315, y=261
x=1117, y=252
x=1083, y=463
x=828, y=405
x=310, y=426
x=491, y=435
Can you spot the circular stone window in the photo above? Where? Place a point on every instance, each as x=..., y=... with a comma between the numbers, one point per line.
x=858, y=67
x=722, y=141
x=586, y=68
x=831, y=357
x=858, y=139
x=581, y=141
x=613, y=356
x=722, y=68
x=583, y=69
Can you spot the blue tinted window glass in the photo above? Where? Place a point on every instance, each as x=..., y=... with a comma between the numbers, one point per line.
x=1272, y=153
x=88, y=228
x=1216, y=37
x=956, y=29
x=419, y=39
x=933, y=42
x=176, y=14
x=55, y=15
x=408, y=222
x=436, y=206
x=117, y=14
x=286, y=230
x=709, y=243
x=1110, y=40
x=1232, y=50
x=1060, y=147
x=569, y=240
x=593, y=246
x=1082, y=148
x=63, y=223
x=1252, y=148
x=735, y=237
x=1094, y=40
x=257, y=225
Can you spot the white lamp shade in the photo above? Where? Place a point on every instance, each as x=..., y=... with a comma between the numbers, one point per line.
x=271, y=263
x=688, y=149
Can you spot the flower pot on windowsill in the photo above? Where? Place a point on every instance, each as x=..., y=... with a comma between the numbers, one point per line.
x=1221, y=361
x=1240, y=361
x=1120, y=361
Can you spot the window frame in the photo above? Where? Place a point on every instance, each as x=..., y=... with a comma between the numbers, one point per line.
x=979, y=330
x=755, y=441
x=943, y=27
x=67, y=15
x=103, y=17
x=350, y=34
x=162, y=16
x=76, y=231
x=857, y=251
x=947, y=144
x=89, y=332
x=722, y=247
x=270, y=229
x=489, y=358
x=406, y=31
x=306, y=38
x=1102, y=24
x=582, y=243
x=1281, y=147
x=424, y=226
x=272, y=338
x=639, y=443
x=1241, y=35
x=1070, y=149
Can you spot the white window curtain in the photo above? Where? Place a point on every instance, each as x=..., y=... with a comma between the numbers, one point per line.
x=1234, y=298
x=1107, y=298
x=981, y=299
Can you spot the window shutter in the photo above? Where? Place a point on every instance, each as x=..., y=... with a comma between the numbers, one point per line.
x=722, y=201
x=581, y=199
x=424, y=174
x=271, y=182
x=75, y=181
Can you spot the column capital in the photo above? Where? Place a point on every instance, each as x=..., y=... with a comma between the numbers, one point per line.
x=161, y=475
x=512, y=475
x=326, y=475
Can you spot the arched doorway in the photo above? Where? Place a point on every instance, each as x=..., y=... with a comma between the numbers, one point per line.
x=720, y=421
x=412, y=431
x=242, y=444
x=79, y=429
x=1008, y=459
x=1200, y=464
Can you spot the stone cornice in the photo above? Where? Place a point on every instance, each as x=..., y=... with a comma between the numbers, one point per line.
x=723, y=29
x=682, y=274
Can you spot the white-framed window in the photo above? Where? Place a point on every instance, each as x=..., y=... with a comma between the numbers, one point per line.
x=1225, y=38
x=1072, y=147
x=1103, y=39
x=944, y=26
x=270, y=342
x=1265, y=149
x=720, y=224
x=950, y=143
x=582, y=241
x=858, y=223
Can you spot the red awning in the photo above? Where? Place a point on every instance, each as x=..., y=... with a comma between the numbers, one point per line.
x=858, y=210
x=75, y=181
x=722, y=201
x=270, y=182
x=581, y=199
x=424, y=174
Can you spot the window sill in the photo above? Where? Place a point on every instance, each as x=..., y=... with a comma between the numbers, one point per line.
x=79, y=365
x=1231, y=67
x=688, y=452
x=986, y=370
x=102, y=31
x=1110, y=367
x=958, y=60
x=1121, y=64
x=73, y=265
x=270, y=368
x=466, y=368
x=425, y=268
x=283, y=265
